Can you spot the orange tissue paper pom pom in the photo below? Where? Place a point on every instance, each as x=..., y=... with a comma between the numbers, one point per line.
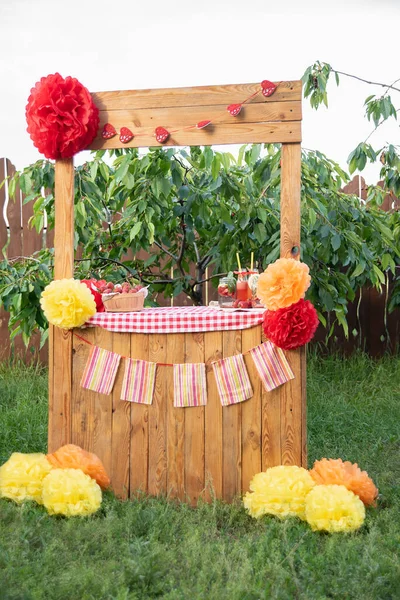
x=283, y=283
x=336, y=472
x=74, y=457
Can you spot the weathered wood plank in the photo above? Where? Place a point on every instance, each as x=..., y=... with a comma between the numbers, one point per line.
x=231, y=429
x=194, y=427
x=291, y=394
x=221, y=133
x=213, y=419
x=158, y=419
x=251, y=413
x=193, y=96
x=175, y=422
x=121, y=423
x=139, y=445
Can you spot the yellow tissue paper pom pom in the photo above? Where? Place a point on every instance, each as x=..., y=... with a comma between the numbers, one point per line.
x=67, y=303
x=21, y=477
x=334, y=508
x=280, y=491
x=283, y=283
x=70, y=492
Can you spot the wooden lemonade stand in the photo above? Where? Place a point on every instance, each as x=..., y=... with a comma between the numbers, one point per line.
x=209, y=451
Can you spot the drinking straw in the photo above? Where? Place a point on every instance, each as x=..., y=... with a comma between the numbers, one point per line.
x=238, y=261
x=251, y=261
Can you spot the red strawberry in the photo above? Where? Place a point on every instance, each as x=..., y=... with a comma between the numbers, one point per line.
x=268, y=88
x=161, y=135
x=108, y=131
x=125, y=135
x=202, y=124
x=234, y=109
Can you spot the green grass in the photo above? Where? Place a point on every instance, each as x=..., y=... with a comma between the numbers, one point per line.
x=151, y=548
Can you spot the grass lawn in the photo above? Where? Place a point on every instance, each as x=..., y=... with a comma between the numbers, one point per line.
x=152, y=548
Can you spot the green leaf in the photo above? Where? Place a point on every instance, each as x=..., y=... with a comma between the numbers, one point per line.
x=358, y=270
x=336, y=240
x=135, y=230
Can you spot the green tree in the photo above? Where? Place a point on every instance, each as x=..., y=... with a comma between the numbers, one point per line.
x=197, y=206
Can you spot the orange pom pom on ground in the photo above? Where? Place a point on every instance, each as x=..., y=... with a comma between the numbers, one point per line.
x=74, y=457
x=336, y=472
x=283, y=283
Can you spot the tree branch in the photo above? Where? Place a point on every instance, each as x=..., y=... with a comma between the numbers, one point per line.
x=165, y=250
x=388, y=86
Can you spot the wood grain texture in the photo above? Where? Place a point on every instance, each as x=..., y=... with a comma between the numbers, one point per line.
x=231, y=429
x=83, y=401
x=194, y=428
x=176, y=117
x=121, y=423
x=139, y=444
x=291, y=394
x=194, y=96
x=103, y=403
x=213, y=420
x=251, y=413
x=158, y=419
x=60, y=393
x=304, y=440
x=221, y=133
x=175, y=422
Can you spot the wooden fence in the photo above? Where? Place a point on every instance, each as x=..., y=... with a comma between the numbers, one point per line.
x=377, y=332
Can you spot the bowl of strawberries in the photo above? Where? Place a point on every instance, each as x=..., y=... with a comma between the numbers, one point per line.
x=122, y=297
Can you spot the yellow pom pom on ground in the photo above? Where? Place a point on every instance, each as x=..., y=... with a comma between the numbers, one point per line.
x=70, y=492
x=21, y=477
x=279, y=491
x=334, y=508
x=67, y=303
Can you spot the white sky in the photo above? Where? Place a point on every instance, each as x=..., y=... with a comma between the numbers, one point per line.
x=131, y=44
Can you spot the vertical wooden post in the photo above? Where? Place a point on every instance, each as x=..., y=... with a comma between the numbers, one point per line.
x=292, y=394
x=60, y=348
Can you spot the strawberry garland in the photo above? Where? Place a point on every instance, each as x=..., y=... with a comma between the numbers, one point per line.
x=162, y=135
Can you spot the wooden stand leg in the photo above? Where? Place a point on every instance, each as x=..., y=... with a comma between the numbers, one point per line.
x=60, y=343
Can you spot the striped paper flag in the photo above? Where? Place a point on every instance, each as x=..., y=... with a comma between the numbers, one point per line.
x=190, y=385
x=272, y=365
x=139, y=380
x=100, y=371
x=232, y=379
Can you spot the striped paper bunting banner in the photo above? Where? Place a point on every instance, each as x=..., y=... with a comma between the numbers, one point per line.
x=100, y=370
x=139, y=380
x=232, y=379
x=190, y=386
x=272, y=365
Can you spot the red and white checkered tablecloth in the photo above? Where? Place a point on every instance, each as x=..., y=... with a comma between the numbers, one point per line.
x=178, y=319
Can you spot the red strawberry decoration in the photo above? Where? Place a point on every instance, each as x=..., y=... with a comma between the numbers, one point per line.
x=108, y=131
x=125, y=135
x=234, y=109
x=202, y=124
x=161, y=135
x=268, y=88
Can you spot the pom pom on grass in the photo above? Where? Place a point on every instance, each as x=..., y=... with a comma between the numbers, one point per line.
x=74, y=457
x=283, y=283
x=279, y=491
x=334, y=508
x=21, y=477
x=67, y=303
x=336, y=472
x=70, y=492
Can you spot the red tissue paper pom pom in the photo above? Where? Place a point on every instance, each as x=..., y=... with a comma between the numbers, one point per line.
x=91, y=284
x=291, y=327
x=62, y=117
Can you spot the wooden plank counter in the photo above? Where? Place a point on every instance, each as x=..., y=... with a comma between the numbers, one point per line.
x=185, y=453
